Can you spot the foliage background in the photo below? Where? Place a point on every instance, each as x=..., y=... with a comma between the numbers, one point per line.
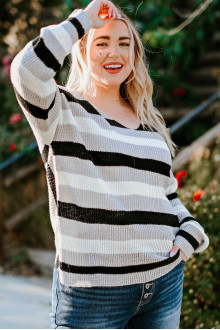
x=172, y=59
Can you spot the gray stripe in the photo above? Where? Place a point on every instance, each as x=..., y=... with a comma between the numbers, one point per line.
x=102, y=143
x=35, y=66
x=98, y=231
x=85, y=167
x=85, y=198
x=53, y=44
x=35, y=99
x=109, y=260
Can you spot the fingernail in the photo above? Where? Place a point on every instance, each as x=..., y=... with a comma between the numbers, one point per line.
x=172, y=253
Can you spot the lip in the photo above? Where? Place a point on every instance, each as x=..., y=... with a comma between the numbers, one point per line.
x=114, y=63
x=113, y=71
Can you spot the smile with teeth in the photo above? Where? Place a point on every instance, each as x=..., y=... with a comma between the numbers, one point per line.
x=113, y=68
x=116, y=66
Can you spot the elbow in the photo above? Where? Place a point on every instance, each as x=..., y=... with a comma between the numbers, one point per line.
x=15, y=71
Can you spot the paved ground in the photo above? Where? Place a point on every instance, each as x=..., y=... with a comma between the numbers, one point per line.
x=25, y=303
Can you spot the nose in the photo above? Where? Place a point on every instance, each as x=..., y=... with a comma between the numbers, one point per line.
x=114, y=50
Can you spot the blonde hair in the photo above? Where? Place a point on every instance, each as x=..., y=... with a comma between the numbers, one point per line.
x=137, y=89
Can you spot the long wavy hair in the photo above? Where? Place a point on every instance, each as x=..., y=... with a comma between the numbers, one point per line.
x=137, y=89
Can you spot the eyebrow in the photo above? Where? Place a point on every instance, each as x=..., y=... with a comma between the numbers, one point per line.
x=107, y=37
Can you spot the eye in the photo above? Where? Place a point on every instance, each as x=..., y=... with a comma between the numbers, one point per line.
x=123, y=43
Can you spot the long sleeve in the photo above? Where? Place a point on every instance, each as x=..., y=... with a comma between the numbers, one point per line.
x=191, y=236
x=33, y=70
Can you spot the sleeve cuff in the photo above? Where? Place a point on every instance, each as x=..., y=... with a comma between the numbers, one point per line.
x=184, y=246
x=187, y=247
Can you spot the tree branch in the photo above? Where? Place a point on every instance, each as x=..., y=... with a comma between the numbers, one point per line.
x=191, y=17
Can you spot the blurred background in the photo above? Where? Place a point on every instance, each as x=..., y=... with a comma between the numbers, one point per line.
x=182, y=44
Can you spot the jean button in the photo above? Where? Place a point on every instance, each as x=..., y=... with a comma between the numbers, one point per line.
x=146, y=295
x=147, y=286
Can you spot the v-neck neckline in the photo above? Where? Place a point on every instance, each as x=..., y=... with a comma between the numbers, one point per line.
x=105, y=116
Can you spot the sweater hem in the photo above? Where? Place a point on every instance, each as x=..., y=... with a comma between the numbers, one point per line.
x=112, y=280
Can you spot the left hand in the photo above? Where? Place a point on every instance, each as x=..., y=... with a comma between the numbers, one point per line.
x=175, y=249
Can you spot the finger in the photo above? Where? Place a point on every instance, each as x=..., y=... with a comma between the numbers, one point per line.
x=115, y=13
x=108, y=10
x=111, y=8
x=174, y=250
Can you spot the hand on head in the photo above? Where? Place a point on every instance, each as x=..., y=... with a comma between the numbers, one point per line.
x=100, y=11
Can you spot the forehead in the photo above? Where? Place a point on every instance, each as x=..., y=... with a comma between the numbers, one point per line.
x=114, y=28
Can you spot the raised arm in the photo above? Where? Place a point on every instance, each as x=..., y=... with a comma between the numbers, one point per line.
x=33, y=70
x=34, y=67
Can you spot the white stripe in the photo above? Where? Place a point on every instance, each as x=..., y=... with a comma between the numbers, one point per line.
x=89, y=126
x=39, y=87
x=191, y=222
x=61, y=35
x=172, y=188
x=181, y=209
x=119, y=188
x=78, y=245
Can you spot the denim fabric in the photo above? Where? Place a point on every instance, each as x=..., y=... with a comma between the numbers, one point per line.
x=151, y=305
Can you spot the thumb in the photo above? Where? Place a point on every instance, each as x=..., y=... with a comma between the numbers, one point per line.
x=174, y=250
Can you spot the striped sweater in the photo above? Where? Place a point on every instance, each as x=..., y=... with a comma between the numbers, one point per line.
x=112, y=194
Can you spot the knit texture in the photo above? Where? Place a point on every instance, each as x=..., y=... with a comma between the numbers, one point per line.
x=112, y=194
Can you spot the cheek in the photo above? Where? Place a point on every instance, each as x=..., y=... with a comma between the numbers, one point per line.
x=97, y=56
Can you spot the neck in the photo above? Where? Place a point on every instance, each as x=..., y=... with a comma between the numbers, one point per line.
x=106, y=95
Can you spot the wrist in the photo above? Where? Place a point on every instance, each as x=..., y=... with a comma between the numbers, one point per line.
x=86, y=11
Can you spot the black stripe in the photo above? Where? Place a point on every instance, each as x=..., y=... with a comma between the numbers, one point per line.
x=96, y=215
x=186, y=220
x=112, y=122
x=44, y=154
x=172, y=196
x=102, y=158
x=76, y=23
x=90, y=109
x=33, y=109
x=116, y=270
x=44, y=54
x=52, y=182
x=86, y=105
x=189, y=238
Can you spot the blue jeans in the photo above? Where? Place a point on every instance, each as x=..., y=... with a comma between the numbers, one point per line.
x=151, y=305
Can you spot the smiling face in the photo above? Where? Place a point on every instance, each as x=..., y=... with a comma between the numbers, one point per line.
x=114, y=47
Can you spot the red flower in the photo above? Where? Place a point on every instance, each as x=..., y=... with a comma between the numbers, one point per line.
x=15, y=118
x=13, y=146
x=198, y=194
x=6, y=60
x=7, y=70
x=179, y=176
x=179, y=92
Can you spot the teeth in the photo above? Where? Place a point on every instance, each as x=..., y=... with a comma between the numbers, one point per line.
x=113, y=66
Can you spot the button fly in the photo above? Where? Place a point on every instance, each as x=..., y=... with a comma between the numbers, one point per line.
x=148, y=285
x=146, y=295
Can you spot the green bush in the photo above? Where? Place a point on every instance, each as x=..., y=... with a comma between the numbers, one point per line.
x=201, y=300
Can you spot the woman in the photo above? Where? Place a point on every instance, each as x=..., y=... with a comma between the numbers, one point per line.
x=107, y=153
